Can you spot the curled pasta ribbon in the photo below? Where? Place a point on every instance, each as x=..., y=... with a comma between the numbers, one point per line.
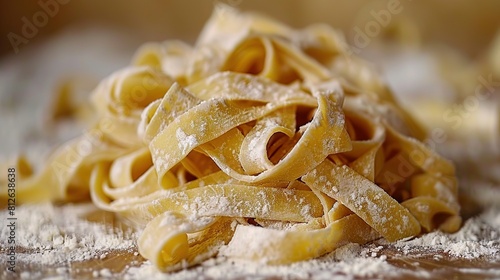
x=392, y=221
x=65, y=175
x=191, y=130
x=217, y=198
x=171, y=237
x=259, y=142
x=122, y=97
x=297, y=245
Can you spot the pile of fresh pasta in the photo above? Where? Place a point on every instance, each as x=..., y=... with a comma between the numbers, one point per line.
x=260, y=142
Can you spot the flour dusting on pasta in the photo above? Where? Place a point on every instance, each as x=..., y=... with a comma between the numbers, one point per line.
x=258, y=135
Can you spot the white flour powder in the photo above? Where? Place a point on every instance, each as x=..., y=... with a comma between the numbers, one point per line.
x=57, y=236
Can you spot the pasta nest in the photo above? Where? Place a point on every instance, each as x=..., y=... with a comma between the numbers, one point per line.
x=260, y=142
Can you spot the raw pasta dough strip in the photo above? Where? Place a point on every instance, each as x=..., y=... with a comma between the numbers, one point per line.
x=144, y=185
x=270, y=65
x=368, y=157
x=309, y=69
x=322, y=136
x=139, y=191
x=122, y=97
x=171, y=57
x=427, y=209
x=171, y=238
x=364, y=198
x=65, y=174
x=134, y=175
x=126, y=169
x=214, y=117
x=444, y=188
x=199, y=164
x=253, y=154
x=419, y=154
x=238, y=86
x=176, y=102
x=286, y=246
x=232, y=200
x=222, y=199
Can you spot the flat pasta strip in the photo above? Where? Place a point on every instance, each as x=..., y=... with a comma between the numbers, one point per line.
x=231, y=201
x=364, y=198
x=177, y=242
x=326, y=125
x=427, y=210
x=282, y=247
x=253, y=154
x=122, y=97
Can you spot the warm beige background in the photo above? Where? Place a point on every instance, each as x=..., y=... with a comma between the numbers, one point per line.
x=467, y=25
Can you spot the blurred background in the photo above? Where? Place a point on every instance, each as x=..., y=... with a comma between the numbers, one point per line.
x=469, y=26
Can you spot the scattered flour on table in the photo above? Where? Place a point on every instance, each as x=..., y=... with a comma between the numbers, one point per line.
x=51, y=235
x=478, y=237
x=321, y=268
